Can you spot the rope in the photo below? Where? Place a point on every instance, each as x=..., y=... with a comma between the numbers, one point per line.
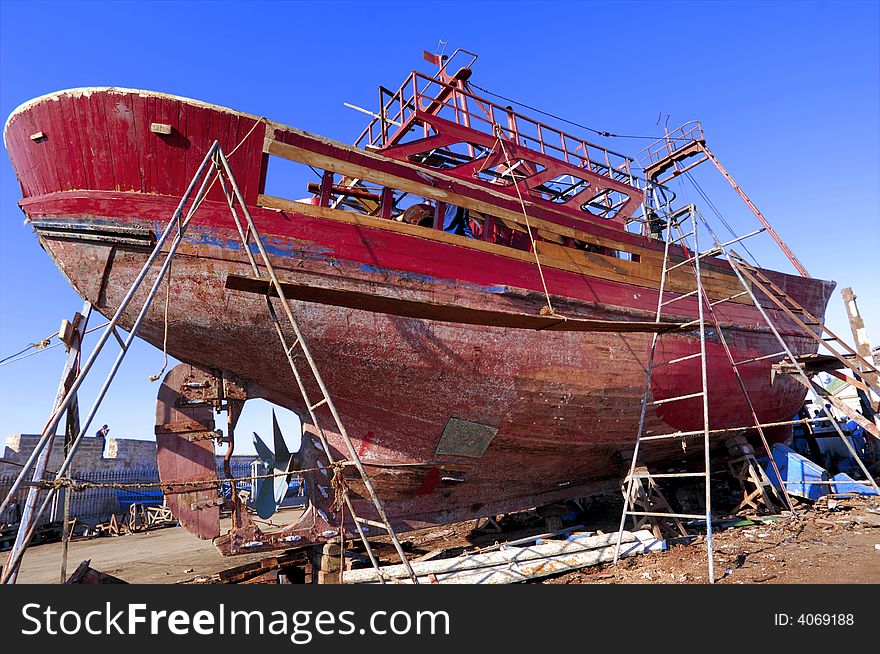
x=340, y=488
x=78, y=485
x=155, y=377
x=548, y=310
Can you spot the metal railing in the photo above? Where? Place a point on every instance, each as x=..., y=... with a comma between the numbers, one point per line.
x=674, y=140
x=422, y=96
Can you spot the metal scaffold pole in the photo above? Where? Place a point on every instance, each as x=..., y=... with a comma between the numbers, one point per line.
x=216, y=165
x=29, y=522
x=234, y=195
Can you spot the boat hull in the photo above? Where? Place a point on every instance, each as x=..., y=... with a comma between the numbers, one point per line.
x=452, y=420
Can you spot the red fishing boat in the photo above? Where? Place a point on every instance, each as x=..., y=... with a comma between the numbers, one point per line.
x=420, y=263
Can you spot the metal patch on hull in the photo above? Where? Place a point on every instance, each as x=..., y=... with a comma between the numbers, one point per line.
x=465, y=438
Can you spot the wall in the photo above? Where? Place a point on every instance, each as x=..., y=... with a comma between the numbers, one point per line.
x=116, y=461
x=93, y=454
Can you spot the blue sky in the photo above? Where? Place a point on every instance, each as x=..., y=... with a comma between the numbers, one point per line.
x=788, y=93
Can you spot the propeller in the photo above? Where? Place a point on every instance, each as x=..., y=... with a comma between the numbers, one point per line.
x=281, y=463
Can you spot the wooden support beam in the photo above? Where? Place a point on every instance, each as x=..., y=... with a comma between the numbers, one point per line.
x=863, y=345
x=645, y=272
x=440, y=311
x=863, y=422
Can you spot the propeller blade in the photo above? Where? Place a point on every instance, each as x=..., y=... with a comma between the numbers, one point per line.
x=280, y=484
x=263, y=451
x=273, y=490
x=265, y=503
x=281, y=451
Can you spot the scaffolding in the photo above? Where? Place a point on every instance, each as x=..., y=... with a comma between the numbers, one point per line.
x=675, y=154
x=214, y=167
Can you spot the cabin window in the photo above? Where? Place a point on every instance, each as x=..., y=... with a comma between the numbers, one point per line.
x=605, y=204
x=504, y=175
x=561, y=188
x=450, y=156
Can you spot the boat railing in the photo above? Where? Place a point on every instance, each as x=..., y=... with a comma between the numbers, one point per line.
x=667, y=145
x=420, y=97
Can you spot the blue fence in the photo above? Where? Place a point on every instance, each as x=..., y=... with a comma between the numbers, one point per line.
x=97, y=503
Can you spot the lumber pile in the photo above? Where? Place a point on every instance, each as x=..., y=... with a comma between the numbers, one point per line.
x=516, y=564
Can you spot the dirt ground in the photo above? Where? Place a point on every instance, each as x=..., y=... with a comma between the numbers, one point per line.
x=164, y=556
x=819, y=546
x=836, y=542
x=828, y=542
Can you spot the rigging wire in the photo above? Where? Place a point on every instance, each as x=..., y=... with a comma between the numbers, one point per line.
x=40, y=347
x=571, y=122
x=715, y=210
x=32, y=345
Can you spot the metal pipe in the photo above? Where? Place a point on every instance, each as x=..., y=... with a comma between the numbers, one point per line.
x=705, y=379
x=56, y=417
x=800, y=372
x=289, y=354
x=330, y=405
x=645, y=395
x=14, y=558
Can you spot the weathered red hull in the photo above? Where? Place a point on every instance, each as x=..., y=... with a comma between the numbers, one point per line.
x=566, y=405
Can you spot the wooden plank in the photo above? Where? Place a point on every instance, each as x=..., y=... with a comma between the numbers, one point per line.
x=372, y=161
x=349, y=169
x=66, y=151
x=439, y=311
x=138, y=136
x=860, y=336
x=841, y=406
x=84, y=177
x=645, y=273
x=88, y=575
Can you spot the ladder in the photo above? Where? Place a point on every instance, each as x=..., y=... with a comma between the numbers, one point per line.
x=751, y=278
x=745, y=470
x=810, y=325
x=635, y=478
x=249, y=235
x=216, y=165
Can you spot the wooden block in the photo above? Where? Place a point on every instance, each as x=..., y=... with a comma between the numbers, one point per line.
x=37, y=136
x=330, y=549
x=328, y=577
x=330, y=564
x=159, y=128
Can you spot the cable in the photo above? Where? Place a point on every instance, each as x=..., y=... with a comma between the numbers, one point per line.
x=718, y=213
x=10, y=360
x=12, y=356
x=49, y=347
x=571, y=122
